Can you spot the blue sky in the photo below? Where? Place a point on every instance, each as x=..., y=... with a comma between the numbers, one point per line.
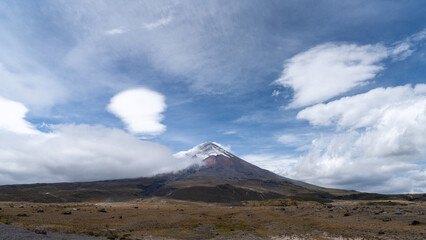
x=328, y=92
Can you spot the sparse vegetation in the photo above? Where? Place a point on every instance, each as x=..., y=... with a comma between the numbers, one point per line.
x=225, y=229
x=112, y=236
x=273, y=217
x=385, y=203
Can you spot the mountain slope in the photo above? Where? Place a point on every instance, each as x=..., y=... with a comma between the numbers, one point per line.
x=218, y=176
x=219, y=163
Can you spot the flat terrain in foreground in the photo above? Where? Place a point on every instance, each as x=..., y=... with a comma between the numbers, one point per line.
x=270, y=219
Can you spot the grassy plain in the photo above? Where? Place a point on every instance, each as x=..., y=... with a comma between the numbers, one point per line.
x=278, y=218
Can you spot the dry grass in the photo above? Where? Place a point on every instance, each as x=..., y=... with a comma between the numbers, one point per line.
x=181, y=219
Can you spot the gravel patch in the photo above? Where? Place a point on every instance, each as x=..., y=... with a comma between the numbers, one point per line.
x=9, y=232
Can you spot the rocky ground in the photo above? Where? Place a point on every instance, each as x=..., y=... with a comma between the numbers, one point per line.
x=157, y=218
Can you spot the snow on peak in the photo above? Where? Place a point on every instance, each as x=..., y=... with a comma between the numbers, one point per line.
x=203, y=151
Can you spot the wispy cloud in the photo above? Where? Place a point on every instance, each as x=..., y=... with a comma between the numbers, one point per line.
x=289, y=139
x=282, y=165
x=159, y=23
x=300, y=142
x=276, y=93
x=403, y=49
x=230, y=132
x=24, y=80
x=115, y=31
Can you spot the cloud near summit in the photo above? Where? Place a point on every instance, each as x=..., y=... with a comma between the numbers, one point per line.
x=74, y=152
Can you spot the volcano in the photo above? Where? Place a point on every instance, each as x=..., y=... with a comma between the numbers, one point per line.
x=217, y=175
x=218, y=163
x=220, y=176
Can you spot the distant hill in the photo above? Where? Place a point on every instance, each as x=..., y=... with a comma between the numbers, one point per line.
x=220, y=177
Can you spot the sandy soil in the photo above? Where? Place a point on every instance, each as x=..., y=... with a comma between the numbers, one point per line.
x=157, y=218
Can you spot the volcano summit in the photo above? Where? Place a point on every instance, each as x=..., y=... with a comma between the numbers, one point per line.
x=216, y=162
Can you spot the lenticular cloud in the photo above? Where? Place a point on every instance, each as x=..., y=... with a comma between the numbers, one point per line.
x=328, y=70
x=140, y=109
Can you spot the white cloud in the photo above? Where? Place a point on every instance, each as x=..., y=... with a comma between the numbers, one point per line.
x=226, y=147
x=12, y=117
x=363, y=110
x=281, y=165
x=289, y=139
x=343, y=161
x=328, y=70
x=198, y=45
x=159, y=23
x=380, y=140
x=230, y=132
x=402, y=49
x=80, y=153
x=24, y=80
x=74, y=152
x=276, y=93
x=115, y=31
x=196, y=155
x=300, y=142
x=140, y=109
x=257, y=117
x=25, y=75
x=331, y=69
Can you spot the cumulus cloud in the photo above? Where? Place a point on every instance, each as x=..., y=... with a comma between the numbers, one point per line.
x=74, y=152
x=140, y=109
x=363, y=110
x=328, y=70
x=378, y=144
x=379, y=141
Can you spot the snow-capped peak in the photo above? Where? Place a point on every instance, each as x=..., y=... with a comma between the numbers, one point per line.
x=203, y=151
